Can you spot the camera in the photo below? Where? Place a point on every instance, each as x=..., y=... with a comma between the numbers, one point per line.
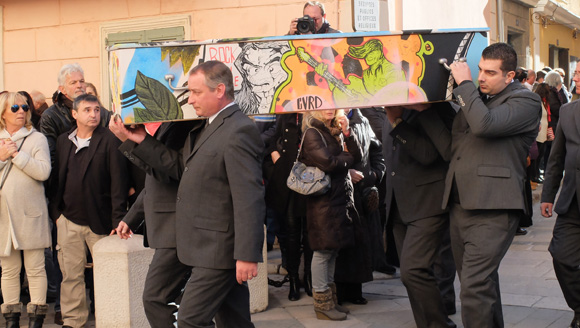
x=305, y=25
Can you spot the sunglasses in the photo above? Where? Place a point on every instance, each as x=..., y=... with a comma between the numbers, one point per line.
x=15, y=108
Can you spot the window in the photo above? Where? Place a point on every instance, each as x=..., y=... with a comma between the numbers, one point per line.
x=161, y=28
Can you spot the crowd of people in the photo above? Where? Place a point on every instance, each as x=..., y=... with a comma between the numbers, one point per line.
x=432, y=189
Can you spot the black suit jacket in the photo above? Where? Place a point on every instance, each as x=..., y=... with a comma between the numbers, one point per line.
x=104, y=184
x=417, y=152
x=220, y=204
x=490, y=143
x=156, y=203
x=564, y=157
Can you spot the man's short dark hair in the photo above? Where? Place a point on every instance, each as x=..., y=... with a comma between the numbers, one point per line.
x=540, y=74
x=521, y=74
x=216, y=72
x=503, y=52
x=84, y=97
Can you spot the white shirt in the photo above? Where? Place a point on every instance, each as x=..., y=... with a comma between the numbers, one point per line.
x=79, y=142
x=211, y=118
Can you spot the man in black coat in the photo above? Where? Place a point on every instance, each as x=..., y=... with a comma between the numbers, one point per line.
x=417, y=146
x=155, y=206
x=89, y=199
x=565, y=245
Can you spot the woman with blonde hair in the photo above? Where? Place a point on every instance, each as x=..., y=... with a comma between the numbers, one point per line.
x=24, y=225
x=329, y=145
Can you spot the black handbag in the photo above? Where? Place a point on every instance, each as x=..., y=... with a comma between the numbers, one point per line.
x=308, y=180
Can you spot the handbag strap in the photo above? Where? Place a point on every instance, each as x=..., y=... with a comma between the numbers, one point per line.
x=302, y=141
x=9, y=165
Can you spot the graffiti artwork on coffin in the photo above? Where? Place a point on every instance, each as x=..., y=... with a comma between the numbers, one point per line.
x=293, y=73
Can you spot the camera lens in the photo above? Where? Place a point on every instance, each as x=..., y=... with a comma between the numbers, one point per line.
x=303, y=27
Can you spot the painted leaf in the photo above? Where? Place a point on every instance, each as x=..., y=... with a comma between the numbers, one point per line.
x=142, y=115
x=186, y=54
x=157, y=99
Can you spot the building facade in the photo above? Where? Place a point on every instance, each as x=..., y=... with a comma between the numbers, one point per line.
x=39, y=36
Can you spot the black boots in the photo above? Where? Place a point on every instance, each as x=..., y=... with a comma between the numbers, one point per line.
x=294, y=293
x=307, y=283
x=36, y=314
x=11, y=313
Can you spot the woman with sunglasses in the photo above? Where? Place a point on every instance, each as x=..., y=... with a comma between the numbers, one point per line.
x=24, y=225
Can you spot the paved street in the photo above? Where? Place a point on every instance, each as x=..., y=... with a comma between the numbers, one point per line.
x=530, y=293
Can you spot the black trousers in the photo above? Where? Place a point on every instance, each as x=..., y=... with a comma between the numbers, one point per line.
x=165, y=281
x=565, y=249
x=214, y=293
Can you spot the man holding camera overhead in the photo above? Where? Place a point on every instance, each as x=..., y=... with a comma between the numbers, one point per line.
x=313, y=21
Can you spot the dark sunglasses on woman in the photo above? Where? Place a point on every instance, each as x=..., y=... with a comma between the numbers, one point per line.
x=15, y=108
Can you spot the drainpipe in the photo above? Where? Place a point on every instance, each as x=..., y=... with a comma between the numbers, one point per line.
x=499, y=14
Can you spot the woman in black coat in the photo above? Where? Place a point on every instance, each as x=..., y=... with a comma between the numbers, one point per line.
x=354, y=266
x=329, y=216
x=290, y=206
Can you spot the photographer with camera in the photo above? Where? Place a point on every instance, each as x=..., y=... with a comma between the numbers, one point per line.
x=313, y=21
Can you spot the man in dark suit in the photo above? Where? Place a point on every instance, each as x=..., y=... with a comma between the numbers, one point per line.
x=565, y=245
x=417, y=146
x=220, y=206
x=491, y=138
x=89, y=199
x=167, y=276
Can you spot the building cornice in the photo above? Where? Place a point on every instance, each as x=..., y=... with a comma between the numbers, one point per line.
x=558, y=14
x=527, y=3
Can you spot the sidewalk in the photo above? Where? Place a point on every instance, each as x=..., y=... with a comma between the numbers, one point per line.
x=530, y=292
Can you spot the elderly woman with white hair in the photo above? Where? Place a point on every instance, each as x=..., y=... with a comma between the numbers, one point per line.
x=24, y=225
x=556, y=99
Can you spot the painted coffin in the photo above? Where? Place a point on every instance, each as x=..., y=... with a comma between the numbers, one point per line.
x=275, y=75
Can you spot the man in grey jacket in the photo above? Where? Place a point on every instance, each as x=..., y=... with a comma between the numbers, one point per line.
x=220, y=206
x=491, y=137
x=565, y=245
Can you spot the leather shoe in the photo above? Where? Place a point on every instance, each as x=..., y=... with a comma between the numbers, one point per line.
x=388, y=269
x=521, y=231
x=58, y=318
x=66, y=327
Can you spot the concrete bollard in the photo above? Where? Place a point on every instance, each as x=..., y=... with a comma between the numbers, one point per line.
x=120, y=268
x=259, y=285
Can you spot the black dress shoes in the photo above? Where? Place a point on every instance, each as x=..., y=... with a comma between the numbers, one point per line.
x=388, y=269
x=58, y=318
x=520, y=232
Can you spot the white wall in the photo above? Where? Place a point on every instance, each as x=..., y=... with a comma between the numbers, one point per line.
x=439, y=14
